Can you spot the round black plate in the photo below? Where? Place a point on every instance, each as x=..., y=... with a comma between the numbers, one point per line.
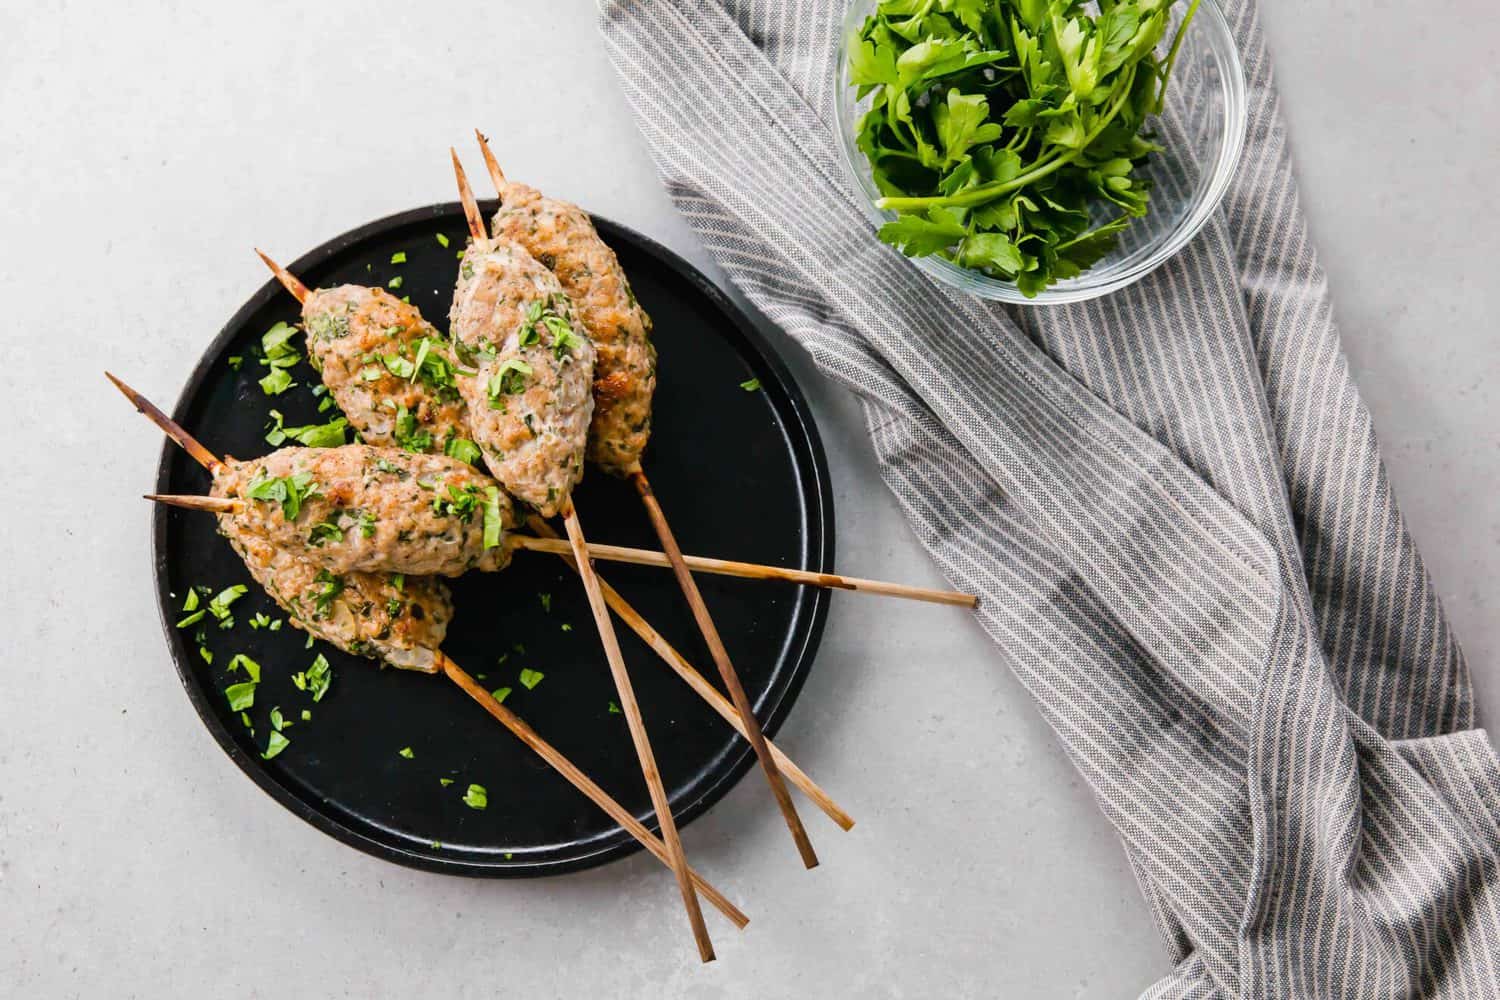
x=741, y=473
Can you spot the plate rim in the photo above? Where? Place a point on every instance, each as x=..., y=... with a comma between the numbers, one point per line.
x=617, y=843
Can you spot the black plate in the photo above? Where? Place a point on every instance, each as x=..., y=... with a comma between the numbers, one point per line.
x=740, y=473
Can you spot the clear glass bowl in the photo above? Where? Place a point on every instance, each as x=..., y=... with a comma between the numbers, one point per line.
x=1202, y=128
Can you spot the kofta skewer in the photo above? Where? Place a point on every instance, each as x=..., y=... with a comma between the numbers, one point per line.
x=562, y=236
x=504, y=298
x=449, y=668
x=367, y=324
x=355, y=320
x=626, y=613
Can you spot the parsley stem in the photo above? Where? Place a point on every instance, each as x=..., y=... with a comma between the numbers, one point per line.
x=1171, y=60
x=1042, y=167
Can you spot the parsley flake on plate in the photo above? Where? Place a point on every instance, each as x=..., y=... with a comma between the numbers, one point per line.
x=406, y=752
x=241, y=696
x=750, y=384
x=530, y=678
x=476, y=797
x=276, y=743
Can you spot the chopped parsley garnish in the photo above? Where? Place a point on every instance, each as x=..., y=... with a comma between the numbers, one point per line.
x=399, y=257
x=366, y=524
x=442, y=240
x=409, y=435
x=289, y=491
x=614, y=708
x=546, y=600
x=241, y=696
x=330, y=587
x=275, y=743
x=476, y=797
x=406, y=752
x=462, y=449
x=445, y=782
x=492, y=518
x=329, y=435
x=260, y=621
x=315, y=678
x=252, y=669
x=530, y=678
x=207, y=655
x=275, y=382
x=460, y=503
x=750, y=384
x=219, y=605
x=235, y=360
x=324, y=531
x=398, y=580
x=566, y=627
x=563, y=338
x=278, y=355
x=500, y=694
x=395, y=282
x=508, y=380
x=306, y=715
x=278, y=721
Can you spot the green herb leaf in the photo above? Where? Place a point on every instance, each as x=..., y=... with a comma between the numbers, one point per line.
x=275, y=743
x=463, y=450
x=406, y=752
x=399, y=257
x=476, y=797
x=614, y=708
x=241, y=696
x=500, y=694
x=530, y=678
x=442, y=240
x=252, y=669
x=395, y=282
x=493, y=523
x=750, y=385
x=276, y=382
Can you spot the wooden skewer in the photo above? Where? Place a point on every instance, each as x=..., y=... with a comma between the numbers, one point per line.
x=727, y=672
x=679, y=664
x=634, y=722
x=471, y=687
x=701, y=615
x=753, y=571
x=497, y=176
x=646, y=557
x=288, y=280
x=583, y=783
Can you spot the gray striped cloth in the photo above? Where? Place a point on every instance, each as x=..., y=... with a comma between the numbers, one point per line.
x=1172, y=504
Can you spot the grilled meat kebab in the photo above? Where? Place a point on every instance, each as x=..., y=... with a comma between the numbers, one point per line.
x=388, y=369
x=530, y=399
x=562, y=238
x=358, y=508
x=400, y=621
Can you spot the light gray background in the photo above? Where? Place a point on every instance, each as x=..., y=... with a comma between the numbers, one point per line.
x=145, y=146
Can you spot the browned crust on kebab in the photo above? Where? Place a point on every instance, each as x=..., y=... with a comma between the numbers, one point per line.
x=366, y=614
x=562, y=237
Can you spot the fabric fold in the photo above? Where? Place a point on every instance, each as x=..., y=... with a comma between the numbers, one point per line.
x=1172, y=504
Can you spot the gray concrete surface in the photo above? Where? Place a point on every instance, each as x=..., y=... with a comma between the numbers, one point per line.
x=144, y=146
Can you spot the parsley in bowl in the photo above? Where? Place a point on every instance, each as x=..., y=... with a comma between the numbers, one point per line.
x=1028, y=150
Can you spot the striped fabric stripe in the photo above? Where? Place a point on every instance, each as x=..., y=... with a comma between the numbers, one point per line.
x=1172, y=503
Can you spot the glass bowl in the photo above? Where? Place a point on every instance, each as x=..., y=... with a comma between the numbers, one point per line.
x=1202, y=128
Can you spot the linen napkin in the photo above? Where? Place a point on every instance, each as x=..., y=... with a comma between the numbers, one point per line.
x=1172, y=505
